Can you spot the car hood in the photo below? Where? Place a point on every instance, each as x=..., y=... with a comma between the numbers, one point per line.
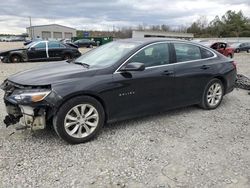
x=7, y=51
x=51, y=73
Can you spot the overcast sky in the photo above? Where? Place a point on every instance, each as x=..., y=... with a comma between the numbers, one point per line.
x=104, y=14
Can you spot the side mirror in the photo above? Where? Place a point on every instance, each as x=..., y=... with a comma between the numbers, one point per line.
x=134, y=66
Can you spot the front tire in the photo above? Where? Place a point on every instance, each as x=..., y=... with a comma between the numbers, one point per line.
x=79, y=119
x=212, y=95
x=15, y=59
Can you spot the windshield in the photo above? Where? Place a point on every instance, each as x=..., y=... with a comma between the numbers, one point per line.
x=29, y=45
x=107, y=54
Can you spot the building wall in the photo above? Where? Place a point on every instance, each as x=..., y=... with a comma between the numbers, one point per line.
x=143, y=34
x=50, y=32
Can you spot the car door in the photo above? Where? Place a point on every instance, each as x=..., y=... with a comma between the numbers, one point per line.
x=193, y=69
x=38, y=51
x=83, y=43
x=145, y=91
x=55, y=50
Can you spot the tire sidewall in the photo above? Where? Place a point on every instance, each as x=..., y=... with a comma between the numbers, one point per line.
x=13, y=56
x=204, y=98
x=58, y=122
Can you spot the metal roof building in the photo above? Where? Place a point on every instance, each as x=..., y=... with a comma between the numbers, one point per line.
x=162, y=34
x=51, y=31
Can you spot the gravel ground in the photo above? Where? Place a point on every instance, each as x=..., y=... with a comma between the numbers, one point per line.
x=187, y=147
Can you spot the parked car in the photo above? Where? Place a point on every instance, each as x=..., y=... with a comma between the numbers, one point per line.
x=85, y=43
x=42, y=50
x=117, y=81
x=241, y=47
x=17, y=39
x=223, y=48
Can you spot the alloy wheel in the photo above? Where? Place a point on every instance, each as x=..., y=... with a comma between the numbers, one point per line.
x=81, y=121
x=15, y=59
x=214, y=94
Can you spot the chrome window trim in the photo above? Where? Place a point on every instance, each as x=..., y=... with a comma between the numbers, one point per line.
x=168, y=42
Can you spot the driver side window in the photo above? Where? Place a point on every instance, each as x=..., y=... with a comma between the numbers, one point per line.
x=40, y=45
x=154, y=55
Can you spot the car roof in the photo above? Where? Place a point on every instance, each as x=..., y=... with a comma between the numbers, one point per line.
x=150, y=40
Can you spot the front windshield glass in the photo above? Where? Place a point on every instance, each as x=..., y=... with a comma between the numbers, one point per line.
x=107, y=54
x=30, y=44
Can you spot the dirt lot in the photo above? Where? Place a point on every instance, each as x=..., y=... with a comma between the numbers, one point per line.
x=187, y=147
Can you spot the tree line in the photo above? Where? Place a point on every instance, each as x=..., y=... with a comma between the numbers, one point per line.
x=231, y=24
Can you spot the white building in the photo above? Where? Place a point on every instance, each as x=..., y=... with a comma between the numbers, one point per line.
x=162, y=34
x=52, y=31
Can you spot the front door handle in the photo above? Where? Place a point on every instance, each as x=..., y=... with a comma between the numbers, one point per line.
x=204, y=67
x=167, y=72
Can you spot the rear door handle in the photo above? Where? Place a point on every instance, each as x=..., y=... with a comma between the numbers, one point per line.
x=167, y=72
x=204, y=67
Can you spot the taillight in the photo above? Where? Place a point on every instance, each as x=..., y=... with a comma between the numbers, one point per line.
x=235, y=64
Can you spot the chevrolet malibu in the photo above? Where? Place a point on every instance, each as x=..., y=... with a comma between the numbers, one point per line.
x=117, y=81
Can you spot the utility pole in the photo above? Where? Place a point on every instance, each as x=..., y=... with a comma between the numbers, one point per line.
x=31, y=34
x=30, y=21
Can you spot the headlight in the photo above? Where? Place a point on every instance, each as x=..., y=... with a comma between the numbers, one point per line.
x=27, y=96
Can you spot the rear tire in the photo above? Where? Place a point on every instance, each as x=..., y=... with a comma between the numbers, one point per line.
x=212, y=95
x=15, y=59
x=79, y=119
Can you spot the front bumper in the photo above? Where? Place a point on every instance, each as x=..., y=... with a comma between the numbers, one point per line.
x=29, y=117
x=33, y=115
x=3, y=59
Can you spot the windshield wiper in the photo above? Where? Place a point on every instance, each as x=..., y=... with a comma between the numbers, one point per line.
x=85, y=65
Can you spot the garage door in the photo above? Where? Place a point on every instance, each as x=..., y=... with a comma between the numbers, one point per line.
x=68, y=35
x=46, y=35
x=57, y=35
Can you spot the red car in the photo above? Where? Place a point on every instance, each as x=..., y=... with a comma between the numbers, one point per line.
x=223, y=48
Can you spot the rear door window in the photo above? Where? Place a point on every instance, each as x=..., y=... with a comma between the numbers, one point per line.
x=187, y=52
x=206, y=53
x=55, y=45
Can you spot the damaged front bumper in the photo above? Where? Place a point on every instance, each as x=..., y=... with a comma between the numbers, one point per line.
x=20, y=105
x=29, y=117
